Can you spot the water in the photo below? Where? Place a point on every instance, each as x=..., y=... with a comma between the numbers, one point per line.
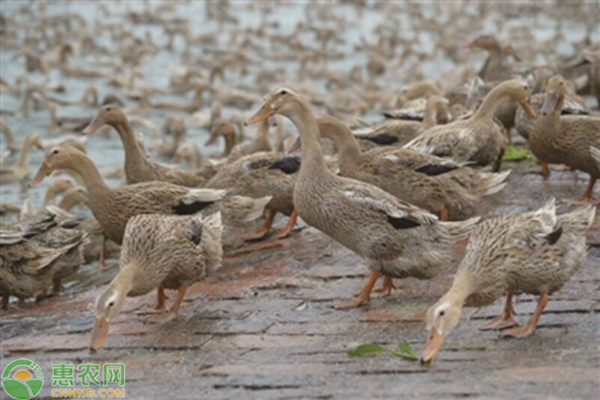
x=156, y=70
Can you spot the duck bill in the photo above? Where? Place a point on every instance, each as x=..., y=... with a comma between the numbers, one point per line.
x=265, y=112
x=99, y=333
x=296, y=146
x=432, y=347
x=550, y=103
x=44, y=171
x=528, y=109
x=96, y=123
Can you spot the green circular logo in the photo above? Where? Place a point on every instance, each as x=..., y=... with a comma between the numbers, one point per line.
x=22, y=379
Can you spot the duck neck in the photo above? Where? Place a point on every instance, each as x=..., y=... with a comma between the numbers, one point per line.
x=262, y=135
x=50, y=196
x=9, y=136
x=494, y=60
x=91, y=178
x=230, y=141
x=491, y=102
x=53, y=117
x=313, y=162
x=123, y=282
x=133, y=154
x=23, y=160
x=348, y=147
x=460, y=290
x=431, y=113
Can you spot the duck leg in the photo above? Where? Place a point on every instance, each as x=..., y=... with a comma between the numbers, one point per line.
x=5, y=299
x=160, y=306
x=173, y=311
x=529, y=327
x=544, y=171
x=587, y=195
x=505, y=320
x=386, y=289
x=364, y=295
x=56, y=286
x=444, y=214
x=283, y=232
x=264, y=230
x=102, y=261
x=498, y=162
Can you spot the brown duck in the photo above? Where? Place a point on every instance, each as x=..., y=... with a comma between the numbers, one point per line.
x=566, y=139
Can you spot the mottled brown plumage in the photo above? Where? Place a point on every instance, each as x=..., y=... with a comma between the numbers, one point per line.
x=479, y=138
x=427, y=181
x=369, y=221
x=259, y=175
x=566, y=139
x=164, y=252
x=26, y=267
x=535, y=252
x=112, y=208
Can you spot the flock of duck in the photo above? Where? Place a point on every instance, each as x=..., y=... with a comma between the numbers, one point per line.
x=401, y=193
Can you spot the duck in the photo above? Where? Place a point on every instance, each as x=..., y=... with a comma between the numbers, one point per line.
x=18, y=172
x=261, y=142
x=476, y=139
x=159, y=252
x=535, y=252
x=57, y=186
x=72, y=198
x=238, y=213
x=572, y=105
x=226, y=129
x=113, y=207
x=398, y=132
x=566, y=139
x=50, y=235
x=438, y=185
x=9, y=137
x=138, y=168
x=191, y=156
x=363, y=218
x=494, y=68
x=173, y=125
x=259, y=175
x=26, y=266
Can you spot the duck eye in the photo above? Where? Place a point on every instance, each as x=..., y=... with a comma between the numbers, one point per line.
x=108, y=109
x=561, y=83
x=55, y=152
x=442, y=313
x=283, y=92
x=112, y=303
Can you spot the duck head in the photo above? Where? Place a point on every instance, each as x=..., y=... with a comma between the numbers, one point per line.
x=442, y=318
x=555, y=93
x=282, y=101
x=110, y=114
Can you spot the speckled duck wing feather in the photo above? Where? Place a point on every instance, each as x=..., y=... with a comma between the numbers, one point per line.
x=453, y=140
x=595, y=152
x=400, y=214
x=534, y=229
x=197, y=247
x=164, y=198
x=427, y=164
x=176, y=176
x=579, y=221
